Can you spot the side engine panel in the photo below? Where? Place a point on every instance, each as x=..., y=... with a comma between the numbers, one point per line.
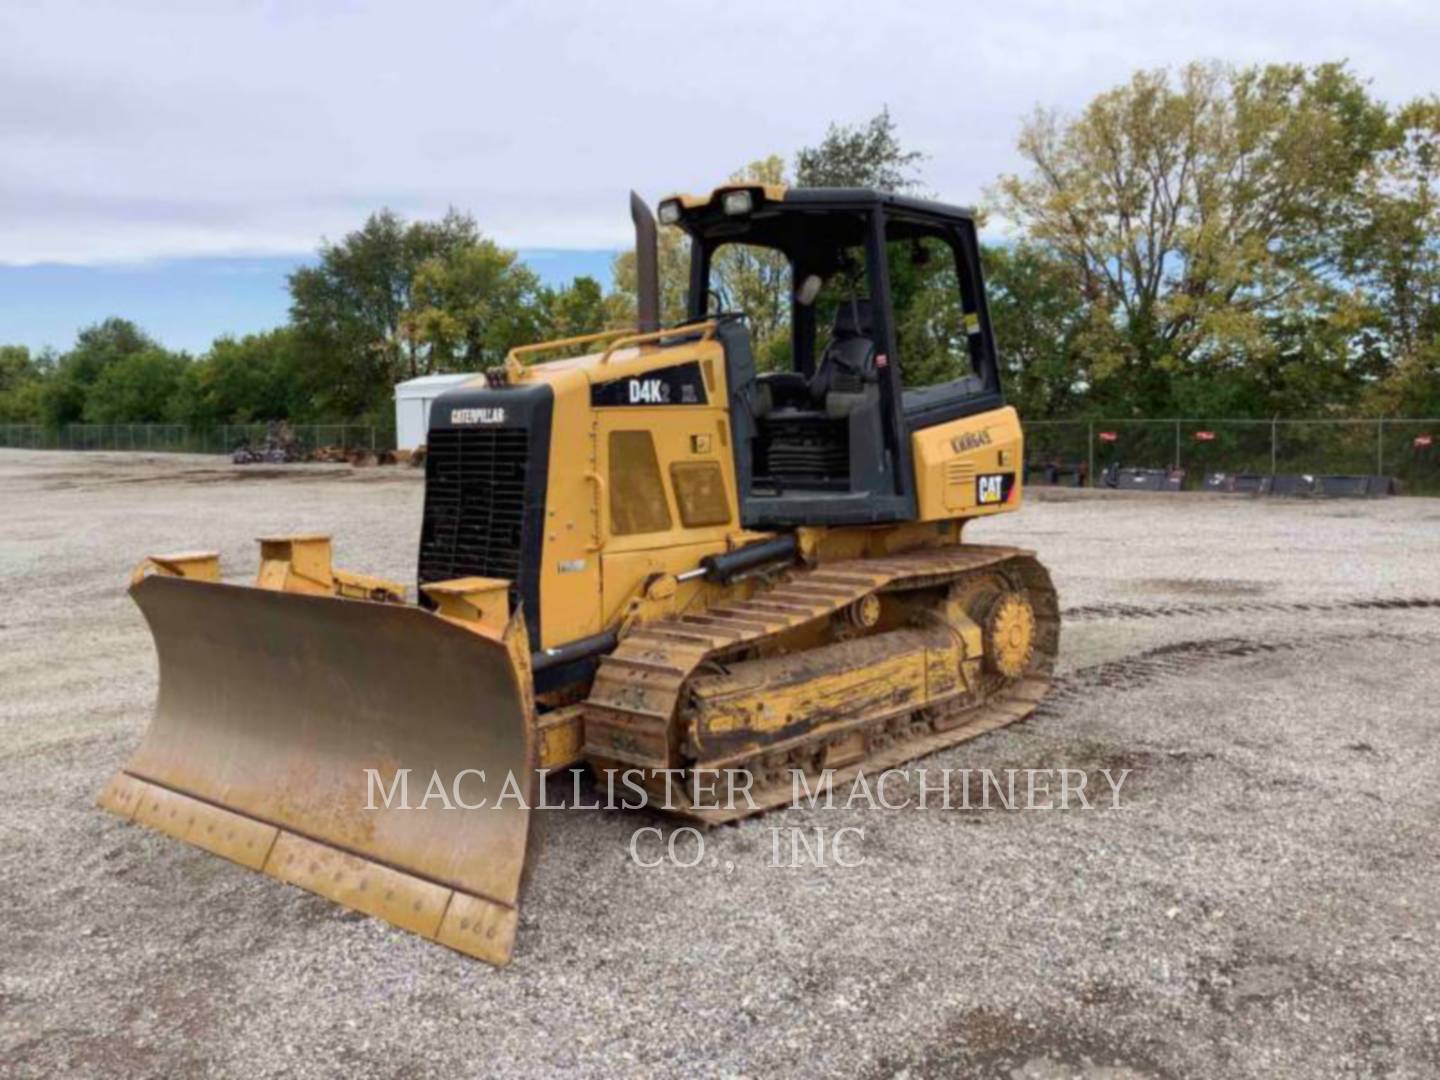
x=969, y=467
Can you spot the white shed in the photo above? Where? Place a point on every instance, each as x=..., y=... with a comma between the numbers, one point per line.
x=413, y=399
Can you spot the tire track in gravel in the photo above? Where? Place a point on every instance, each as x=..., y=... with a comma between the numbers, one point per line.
x=1120, y=610
x=1189, y=657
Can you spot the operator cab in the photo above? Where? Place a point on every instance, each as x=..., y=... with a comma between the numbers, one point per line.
x=849, y=319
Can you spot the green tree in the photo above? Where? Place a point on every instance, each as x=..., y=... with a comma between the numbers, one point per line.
x=66, y=392
x=1393, y=259
x=16, y=367
x=868, y=155
x=241, y=380
x=138, y=388
x=1195, y=210
x=1041, y=326
x=21, y=385
x=575, y=309
x=468, y=307
x=349, y=311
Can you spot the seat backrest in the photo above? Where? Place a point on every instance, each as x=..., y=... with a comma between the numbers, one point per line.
x=852, y=319
x=848, y=363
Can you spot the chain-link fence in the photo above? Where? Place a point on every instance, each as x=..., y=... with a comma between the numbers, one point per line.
x=1408, y=450
x=1078, y=450
x=172, y=438
x=180, y=438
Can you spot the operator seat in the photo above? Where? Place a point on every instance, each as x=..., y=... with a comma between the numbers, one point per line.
x=847, y=368
x=825, y=433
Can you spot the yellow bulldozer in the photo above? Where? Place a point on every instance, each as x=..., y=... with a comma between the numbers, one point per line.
x=653, y=552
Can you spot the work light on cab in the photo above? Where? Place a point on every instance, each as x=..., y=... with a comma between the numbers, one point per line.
x=737, y=203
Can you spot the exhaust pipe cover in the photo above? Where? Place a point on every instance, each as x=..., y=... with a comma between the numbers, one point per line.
x=647, y=266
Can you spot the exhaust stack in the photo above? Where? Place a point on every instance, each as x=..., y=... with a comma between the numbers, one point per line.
x=647, y=266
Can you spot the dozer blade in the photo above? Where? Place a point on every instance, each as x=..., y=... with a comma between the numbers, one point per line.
x=273, y=706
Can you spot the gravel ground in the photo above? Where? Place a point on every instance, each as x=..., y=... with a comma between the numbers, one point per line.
x=1263, y=903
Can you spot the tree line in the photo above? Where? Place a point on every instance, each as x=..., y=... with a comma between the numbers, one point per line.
x=1209, y=241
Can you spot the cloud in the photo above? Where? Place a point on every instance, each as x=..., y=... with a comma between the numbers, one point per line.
x=164, y=128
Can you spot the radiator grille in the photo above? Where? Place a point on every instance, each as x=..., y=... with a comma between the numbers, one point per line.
x=475, y=485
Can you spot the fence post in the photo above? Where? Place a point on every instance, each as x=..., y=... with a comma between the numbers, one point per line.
x=1090, y=452
x=1380, y=447
x=1177, y=444
x=1274, y=444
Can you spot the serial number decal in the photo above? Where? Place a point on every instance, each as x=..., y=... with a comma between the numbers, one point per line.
x=993, y=488
x=478, y=416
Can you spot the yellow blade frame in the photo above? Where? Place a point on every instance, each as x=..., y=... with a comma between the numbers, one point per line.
x=273, y=706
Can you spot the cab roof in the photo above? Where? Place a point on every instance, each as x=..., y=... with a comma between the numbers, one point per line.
x=810, y=226
x=694, y=206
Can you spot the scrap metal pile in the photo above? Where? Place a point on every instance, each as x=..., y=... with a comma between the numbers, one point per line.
x=281, y=447
x=278, y=447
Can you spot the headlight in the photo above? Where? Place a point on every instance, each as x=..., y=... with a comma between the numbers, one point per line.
x=669, y=212
x=737, y=202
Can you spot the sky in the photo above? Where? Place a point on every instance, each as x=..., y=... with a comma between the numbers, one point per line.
x=172, y=160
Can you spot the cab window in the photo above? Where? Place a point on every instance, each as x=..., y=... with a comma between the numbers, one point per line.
x=757, y=280
x=931, y=331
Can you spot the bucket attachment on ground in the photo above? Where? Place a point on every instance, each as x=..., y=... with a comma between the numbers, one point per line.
x=286, y=722
x=1144, y=479
x=1354, y=487
x=1253, y=483
x=1056, y=473
x=1291, y=484
x=1245, y=483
